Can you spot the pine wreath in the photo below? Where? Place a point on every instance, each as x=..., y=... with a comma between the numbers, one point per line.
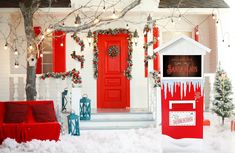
x=113, y=51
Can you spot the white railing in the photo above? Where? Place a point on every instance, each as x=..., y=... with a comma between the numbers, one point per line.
x=154, y=100
x=46, y=89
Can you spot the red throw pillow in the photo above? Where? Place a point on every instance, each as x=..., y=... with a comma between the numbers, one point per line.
x=15, y=113
x=44, y=113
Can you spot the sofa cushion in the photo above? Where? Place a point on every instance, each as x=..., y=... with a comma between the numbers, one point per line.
x=15, y=113
x=44, y=112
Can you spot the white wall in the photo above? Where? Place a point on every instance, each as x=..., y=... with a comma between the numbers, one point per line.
x=136, y=20
x=4, y=60
x=226, y=31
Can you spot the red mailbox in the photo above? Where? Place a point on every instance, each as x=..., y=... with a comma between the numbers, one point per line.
x=182, y=92
x=182, y=113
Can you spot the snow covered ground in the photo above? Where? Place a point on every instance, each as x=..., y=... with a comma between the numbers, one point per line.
x=217, y=139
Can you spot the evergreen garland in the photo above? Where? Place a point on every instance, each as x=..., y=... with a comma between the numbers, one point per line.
x=79, y=58
x=78, y=40
x=130, y=49
x=74, y=74
x=222, y=103
x=156, y=78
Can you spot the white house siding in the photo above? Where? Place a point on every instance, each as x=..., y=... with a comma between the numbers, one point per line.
x=138, y=85
x=4, y=62
x=226, y=31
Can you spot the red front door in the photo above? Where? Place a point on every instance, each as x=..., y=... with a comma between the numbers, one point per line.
x=113, y=88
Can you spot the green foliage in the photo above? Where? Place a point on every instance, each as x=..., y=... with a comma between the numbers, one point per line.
x=222, y=103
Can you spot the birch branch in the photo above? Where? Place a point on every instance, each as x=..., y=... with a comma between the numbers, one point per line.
x=101, y=21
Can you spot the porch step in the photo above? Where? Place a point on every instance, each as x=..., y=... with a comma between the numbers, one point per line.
x=113, y=121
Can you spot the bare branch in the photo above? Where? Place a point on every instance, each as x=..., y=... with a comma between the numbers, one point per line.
x=92, y=23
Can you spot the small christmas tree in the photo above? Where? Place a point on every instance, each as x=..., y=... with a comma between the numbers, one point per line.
x=222, y=104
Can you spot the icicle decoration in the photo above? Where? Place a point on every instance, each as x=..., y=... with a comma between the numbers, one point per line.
x=182, y=87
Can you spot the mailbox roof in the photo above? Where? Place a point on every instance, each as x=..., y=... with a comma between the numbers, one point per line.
x=182, y=45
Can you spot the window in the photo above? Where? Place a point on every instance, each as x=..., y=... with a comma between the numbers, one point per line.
x=53, y=49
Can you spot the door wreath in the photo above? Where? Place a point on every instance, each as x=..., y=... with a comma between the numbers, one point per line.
x=113, y=51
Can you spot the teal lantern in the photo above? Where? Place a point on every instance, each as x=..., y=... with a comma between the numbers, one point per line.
x=73, y=124
x=85, y=108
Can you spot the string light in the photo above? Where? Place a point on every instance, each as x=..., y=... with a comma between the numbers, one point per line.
x=97, y=20
x=6, y=46
x=114, y=14
x=49, y=30
x=61, y=44
x=104, y=9
x=41, y=55
x=197, y=32
x=43, y=36
x=172, y=21
x=179, y=19
x=16, y=65
x=30, y=47
x=16, y=52
x=213, y=16
x=127, y=26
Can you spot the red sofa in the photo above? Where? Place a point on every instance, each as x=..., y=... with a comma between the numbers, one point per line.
x=31, y=128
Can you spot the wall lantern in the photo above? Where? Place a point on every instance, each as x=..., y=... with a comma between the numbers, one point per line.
x=73, y=124
x=136, y=37
x=77, y=21
x=89, y=37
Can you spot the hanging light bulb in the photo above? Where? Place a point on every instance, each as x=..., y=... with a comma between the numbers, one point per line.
x=16, y=52
x=114, y=14
x=179, y=19
x=89, y=37
x=61, y=44
x=6, y=46
x=77, y=21
x=16, y=65
x=41, y=55
x=104, y=8
x=97, y=20
x=197, y=32
x=30, y=47
x=49, y=30
x=43, y=36
x=213, y=16
x=158, y=38
x=127, y=26
x=172, y=21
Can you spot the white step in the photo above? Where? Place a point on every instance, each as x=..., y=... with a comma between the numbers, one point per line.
x=121, y=116
x=110, y=121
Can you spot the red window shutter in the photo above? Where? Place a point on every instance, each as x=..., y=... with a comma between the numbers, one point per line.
x=59, y=62
x=145, y=55
x=156, y=62
x=37, y=31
